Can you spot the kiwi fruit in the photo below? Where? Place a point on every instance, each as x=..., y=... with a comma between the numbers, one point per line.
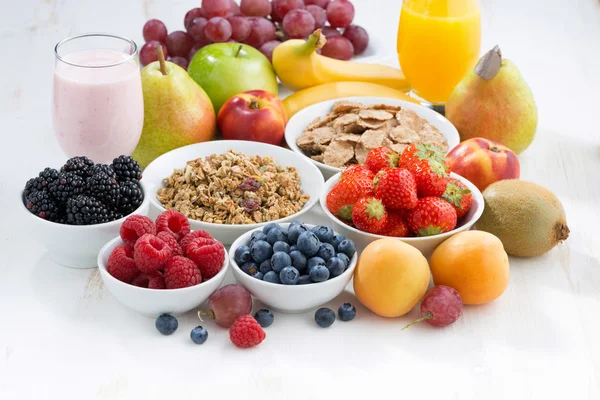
x=528, y=218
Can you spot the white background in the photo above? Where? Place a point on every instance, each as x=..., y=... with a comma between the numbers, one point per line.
x=63, y=336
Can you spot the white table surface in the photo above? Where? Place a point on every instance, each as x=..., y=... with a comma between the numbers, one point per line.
x=62, y=335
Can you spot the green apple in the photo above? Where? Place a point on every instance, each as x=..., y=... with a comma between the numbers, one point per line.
x=226, y=69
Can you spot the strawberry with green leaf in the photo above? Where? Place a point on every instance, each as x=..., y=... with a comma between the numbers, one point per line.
x=341, y=199
x=380, y=158
x=369, y=215
x=459, y=196
x=432, y=216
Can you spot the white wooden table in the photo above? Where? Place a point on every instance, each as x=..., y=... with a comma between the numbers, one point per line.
x=62, y=335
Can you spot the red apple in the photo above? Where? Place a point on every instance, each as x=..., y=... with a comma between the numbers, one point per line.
x=254, y=115
x=483, y=162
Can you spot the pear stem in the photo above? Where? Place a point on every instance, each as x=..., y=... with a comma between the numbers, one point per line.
x=237, y=54
x=427, y=316
x=161, y=59
x=489, y=65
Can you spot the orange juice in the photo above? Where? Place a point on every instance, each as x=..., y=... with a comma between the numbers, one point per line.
x=438, y=41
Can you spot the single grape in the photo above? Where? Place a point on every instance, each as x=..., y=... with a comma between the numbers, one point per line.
x=338, y=47
x=340, y=13
x=181, y=61
x=298, y=24
x=148, y=52
x=179, y=43
x=194, y=50
x=255, y=8
x=216, y=8
x=441, y=306
x=358, y=36
x=154, y=29
x=240, y=27
x=321, y=3
x=318, y=14
x=261, y=31
x=330, y=32
x=235, y=9
x=196, y=29
x=218, y=29
x=267, y=48
x=191, y=15
x=274, y=16
x=282, y=7
x=227, y=304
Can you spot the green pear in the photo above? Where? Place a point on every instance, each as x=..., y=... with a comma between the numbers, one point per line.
x=177, y=111
x=493, y=101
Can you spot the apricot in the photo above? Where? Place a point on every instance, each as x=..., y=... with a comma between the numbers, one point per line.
x=390, y=277
x=474, y=263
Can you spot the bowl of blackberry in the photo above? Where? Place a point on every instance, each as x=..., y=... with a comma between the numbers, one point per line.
x=293, y=267
x=75, y=209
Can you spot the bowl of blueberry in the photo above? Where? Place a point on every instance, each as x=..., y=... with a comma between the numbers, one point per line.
x=76, y=209
x=293, y=267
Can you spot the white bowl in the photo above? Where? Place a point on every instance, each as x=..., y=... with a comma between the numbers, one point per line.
x=290, y=298
x=298, y=123
x=75, y=246
x=154, y=302
x=310, y=179
x=425, y=244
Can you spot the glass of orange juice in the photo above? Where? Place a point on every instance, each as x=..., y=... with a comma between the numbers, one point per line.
x=438, y=41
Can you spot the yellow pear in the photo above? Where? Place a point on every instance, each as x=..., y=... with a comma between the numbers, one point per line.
x=493, y=101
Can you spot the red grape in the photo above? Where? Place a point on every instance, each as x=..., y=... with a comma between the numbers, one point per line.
x=298, y=24
x=240, y=27
x=340, y=13
x=358, y=36
x=282, y=7
x=338, y=47
x=321, y=3
x=330, y=32
x=228, y=303
x=274, y=16
x=318, y=14
x=235, y=9
x=255, y=8
x=267, y=48
x=181, y=61
x=261, y=31
x=218, y=29
x=179, y=43
x=154, y=30
x=441, y=306
x=148, y=52
x=194, y=50
x=191, y=15
x=216, y=8
x=196, y=29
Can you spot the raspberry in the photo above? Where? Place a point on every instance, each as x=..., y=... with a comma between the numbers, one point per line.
x=134, y=227
x=141, y=280
x=181, y=272
x=121, y=264
x=246, y=332
x=171, y=242
x=193, y=235
x=208, y=254
x=151, y=253
x=156, y=281
x=174, y=223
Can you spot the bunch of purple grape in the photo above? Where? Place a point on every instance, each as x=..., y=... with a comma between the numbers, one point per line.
x=262, y=24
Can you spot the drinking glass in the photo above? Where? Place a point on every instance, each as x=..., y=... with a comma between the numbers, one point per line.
x=97, y=103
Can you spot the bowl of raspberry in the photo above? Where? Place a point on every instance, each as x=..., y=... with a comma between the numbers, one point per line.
x=157, y=267
x=74, y=210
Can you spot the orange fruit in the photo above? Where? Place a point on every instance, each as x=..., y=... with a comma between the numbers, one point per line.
x=474, y=263
x=390, y=277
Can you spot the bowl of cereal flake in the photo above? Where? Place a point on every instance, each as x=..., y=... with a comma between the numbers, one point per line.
x=228, y=187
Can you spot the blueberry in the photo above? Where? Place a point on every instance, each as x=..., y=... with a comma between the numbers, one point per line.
x=257, y=235
x=261, y=251
x=242, y=255
x=319, y=273
x=289, y=276
x=298, y=260
x=315, y=261
x=269, y=226
x=324, y=233
x=199, y=335
x=324, y=317
x=249, y=268
x=166, y=324
x=265, y=266
x=264, y=317
x=326, y=251
x=335, y=266
x=347, y=312
x=344, y=258
x=294, y=223
x=292, y=248
x=280, y=260
x=304, y=280
x=272, y=277
x=347, y=247
x=336, y=240
x=308, y=243
x=281, y=246
x=276, y=235
x=294, y=231
x=258, y=275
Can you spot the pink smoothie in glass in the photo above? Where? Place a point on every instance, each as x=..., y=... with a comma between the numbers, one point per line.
x=98, y=112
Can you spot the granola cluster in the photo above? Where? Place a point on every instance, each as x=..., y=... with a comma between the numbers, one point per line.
x=347, y=134
x=233, y=188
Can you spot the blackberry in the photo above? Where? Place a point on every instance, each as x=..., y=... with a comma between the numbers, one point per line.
x=78, y=165
x=66, y=186
x=113, y=215
x=40, y=182
x=86, y=210
x=127, y=168
x=103, y=188
x=49, y=174
x=107, y=169
x=42, y=205
x=131, y=196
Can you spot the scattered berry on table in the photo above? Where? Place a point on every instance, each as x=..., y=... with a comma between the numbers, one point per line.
x=319, y=273
x=281, y=246
x=344, y=259
x=280, y=260
x=42, y=205
x=166, y=324
x=432, y=216
x=176, y=249
x=276, y=235
x=227, y=304
x=369, y=215
x=104, y=188
x=67, y=185
x=308, y=244
x=324, y=317
x=269, y=226
x=249, y=268
x=242, y=255
x=380, y=158
x=396, y=188
x=190, y=237
x=199, y=335
x=459, y=196
x=326, y=251
x=347, y=247
x=289, y=276
x=121, y=264
x=208, y=254
x=86, y=210
x=151, y=253
x=126, y=168
x=173, y=222
x=323, y=233
x=264, y=317
x=265, y=267
x=335, y=266
x=299, y=260
x=294, y=231
x=78, y=165
x=246, y=332
x=304, y=280
x=261, y=251
x=131, y=196
x=336, y=240
x=135, y=227
x=397, y=225
x=181, y=272
x=347, y=312
x=258, y=275
x=441, y=306
x=272, y=277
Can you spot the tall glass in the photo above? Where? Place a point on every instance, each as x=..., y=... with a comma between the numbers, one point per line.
x=97, y=104
x=438, y=41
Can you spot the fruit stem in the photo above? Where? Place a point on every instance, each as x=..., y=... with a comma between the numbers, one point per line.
x=254, y=104
x=427, y=316
x=161, y=59
x=210, y=314
x=314, y=42
x=237, y=53
x=489, y=65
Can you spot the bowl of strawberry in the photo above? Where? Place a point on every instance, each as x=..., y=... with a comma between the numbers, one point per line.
x=413, y=196
x=157, y=267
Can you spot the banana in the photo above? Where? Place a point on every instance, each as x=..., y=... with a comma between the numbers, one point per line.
x=336, y=90
x=298, y=66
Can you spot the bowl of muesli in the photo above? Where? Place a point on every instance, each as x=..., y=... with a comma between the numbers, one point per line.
x=228, y=187
x=337, y=133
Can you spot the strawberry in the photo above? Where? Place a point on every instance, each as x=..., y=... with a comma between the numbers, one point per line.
x=397, y=226
x=357, y=169
x=431, y=178
x=459, y=196
x=431, y=216
x=396, y=188
x=341, y=199
x=381, y=157
x=415, y=153
x=369, y=215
